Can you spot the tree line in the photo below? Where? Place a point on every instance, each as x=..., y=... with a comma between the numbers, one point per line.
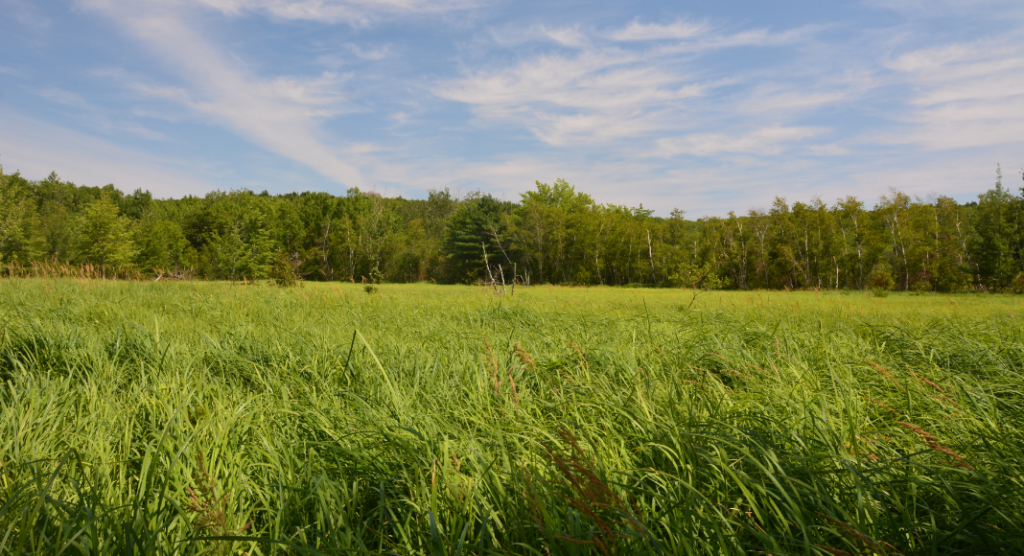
x=554, y=234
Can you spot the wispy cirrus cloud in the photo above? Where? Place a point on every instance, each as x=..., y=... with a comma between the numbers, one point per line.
x=780, y=94
x=715, y=39
x=281, y=113
x=28, y=14
x=965, y=95
x=36, y=148
x=567, y=36
x=765, y=141
x=738, y=185
x=592, y=96
x=355, y=12
x=637, y=31
x=66, y=98
x=930, y=9
x=374, y=54
x=607, y=90
x=98, y=118
x=707, y=111
x=785, y=98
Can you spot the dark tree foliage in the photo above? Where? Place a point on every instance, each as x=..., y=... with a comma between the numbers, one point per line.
x=554, y=234
x=476, y=229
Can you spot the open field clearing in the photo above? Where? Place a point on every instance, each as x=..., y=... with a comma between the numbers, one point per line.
x=185, y=418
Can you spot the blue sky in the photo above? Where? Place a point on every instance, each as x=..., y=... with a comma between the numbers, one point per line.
x=705, y=106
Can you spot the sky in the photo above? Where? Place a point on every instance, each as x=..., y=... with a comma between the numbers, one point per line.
x=706, y=106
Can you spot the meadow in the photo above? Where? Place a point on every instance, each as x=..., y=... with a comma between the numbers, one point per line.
x=198, y=417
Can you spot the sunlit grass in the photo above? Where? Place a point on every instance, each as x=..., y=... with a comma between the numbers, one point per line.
x=199, y=417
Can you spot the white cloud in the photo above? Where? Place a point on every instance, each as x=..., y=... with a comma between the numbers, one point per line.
x=37, y=148
x=374, y=54
x=567, y=36
x=579, y=129
x=66, y=98
x=728, y=183
x=571, y=37
x=947, y=97
x=97, y=118
x=280, y=114
x=960, y=174
x=688, y=37
x=363, y=148
x=592, y=96
x=965, y=95
x=337, y=57
x=926, y=9
x=764, y=141
x=319, y=94
x=773, y=98
x=176, y=94
x=27, y=13
x=606, y=91
x=620, y=105
x=828, y=150
x=637, y=31
x=736, y=185
x=598, y=81
x=712, y=41
x=357, y=12
x=615, y=180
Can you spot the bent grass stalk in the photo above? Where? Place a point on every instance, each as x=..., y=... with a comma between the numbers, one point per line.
x=194, y=417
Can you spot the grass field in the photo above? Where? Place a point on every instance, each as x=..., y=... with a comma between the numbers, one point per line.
x=183, y=418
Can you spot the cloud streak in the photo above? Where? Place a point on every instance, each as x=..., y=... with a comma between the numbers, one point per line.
x=637, y=31
x=632, y=104
x=965, y=95
x=96, y=118
x=765, y=141
x=594, y=96
x=280, y=114
x=353, y=12
x=605, y=92
x=36, y=148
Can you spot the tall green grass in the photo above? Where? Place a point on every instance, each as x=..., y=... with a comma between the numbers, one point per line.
x=185, y=418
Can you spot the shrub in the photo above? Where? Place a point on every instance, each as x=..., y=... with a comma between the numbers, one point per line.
x=282, y=270
x=1017, y=285
x=692, y=276
x=881, y=278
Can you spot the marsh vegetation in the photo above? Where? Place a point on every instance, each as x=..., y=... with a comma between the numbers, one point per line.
x=199, y=417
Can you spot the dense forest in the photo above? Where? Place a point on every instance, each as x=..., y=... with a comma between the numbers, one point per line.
x=554, y=234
